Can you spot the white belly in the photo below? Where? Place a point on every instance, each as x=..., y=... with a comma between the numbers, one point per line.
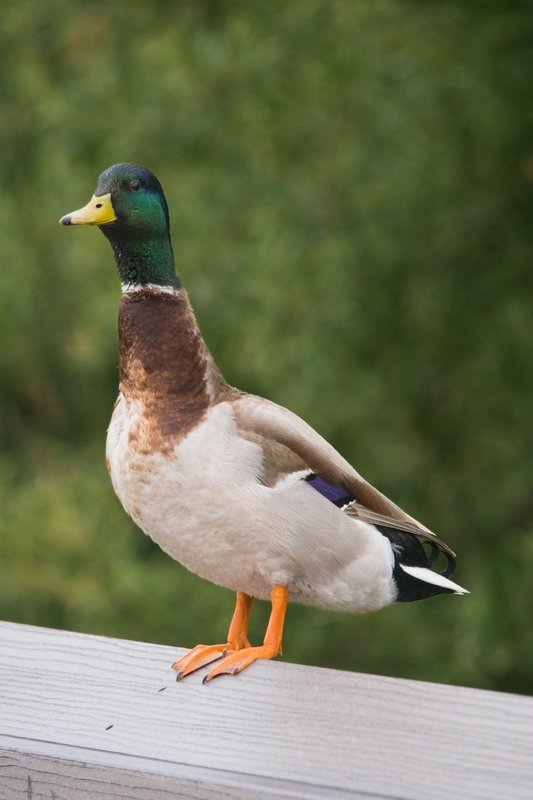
x=193, y=500
x=203, y=504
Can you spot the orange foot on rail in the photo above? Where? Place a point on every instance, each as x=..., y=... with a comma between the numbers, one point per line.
x=237, y=654
x=204, y=654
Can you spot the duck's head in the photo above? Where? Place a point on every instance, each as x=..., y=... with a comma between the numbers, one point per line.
x=130, y=209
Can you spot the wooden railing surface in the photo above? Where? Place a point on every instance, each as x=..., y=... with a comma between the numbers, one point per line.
x=91, y=718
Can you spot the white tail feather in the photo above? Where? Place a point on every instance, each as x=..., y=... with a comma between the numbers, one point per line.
x=427, y=575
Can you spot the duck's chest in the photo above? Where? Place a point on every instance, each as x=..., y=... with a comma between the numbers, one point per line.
x=193, y=497
x=176, y=460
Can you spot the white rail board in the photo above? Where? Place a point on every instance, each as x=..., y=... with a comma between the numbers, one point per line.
x=90, y=718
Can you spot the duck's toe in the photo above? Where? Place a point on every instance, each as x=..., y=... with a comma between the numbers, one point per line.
x=199, y=656
x=235, y=662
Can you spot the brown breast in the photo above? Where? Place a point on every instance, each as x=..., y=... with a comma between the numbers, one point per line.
x=163, y=364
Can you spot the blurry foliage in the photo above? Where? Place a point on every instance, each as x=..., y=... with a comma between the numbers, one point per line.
x=350, y=192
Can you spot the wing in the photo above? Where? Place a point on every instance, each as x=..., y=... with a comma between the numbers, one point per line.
x=257, y=417
x=278, y=460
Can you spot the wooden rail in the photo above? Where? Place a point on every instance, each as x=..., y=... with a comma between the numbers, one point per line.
x=90, y=718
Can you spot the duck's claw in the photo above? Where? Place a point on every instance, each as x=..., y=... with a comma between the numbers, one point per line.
x=199, y=656
x=235, y=662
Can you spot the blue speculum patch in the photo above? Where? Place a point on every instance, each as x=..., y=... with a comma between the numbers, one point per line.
x=336, y=494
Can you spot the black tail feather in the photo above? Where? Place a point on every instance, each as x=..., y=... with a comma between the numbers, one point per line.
x=410, y=551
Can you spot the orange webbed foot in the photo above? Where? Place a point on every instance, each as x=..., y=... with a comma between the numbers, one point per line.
x=237, y=653
x=199, y=656
x=204, y=654
x=235, y=662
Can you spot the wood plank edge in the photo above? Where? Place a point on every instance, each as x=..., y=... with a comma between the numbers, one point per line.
x=110, y=767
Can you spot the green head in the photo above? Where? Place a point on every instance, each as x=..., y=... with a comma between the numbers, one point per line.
x=130, y=209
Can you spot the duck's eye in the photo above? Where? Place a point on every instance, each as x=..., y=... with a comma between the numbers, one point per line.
x=135, y=185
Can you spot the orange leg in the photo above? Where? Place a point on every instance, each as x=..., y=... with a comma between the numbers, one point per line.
x=235, y=662
x=204, y=654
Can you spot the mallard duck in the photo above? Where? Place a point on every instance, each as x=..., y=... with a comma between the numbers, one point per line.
x=236, y=488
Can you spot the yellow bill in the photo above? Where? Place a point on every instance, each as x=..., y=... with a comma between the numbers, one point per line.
x=98, y=211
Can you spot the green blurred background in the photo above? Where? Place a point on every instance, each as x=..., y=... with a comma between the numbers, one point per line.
x=350, y=192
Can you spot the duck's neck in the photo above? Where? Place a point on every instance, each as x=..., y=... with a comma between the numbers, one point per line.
x=143, y=261
x=164, y=364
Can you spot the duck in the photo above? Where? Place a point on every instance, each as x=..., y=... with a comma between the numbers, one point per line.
x=238, y=489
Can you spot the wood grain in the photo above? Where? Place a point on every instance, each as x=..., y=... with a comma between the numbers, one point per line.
x=89, y=717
